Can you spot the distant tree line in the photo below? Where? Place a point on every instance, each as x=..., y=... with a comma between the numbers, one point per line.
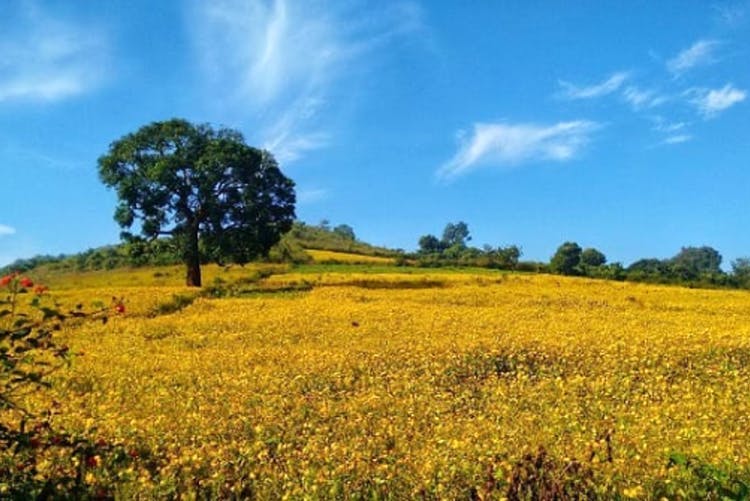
x=691, y=266
x=452, y=249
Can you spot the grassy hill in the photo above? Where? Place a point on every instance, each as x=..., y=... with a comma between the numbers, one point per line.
x=303, y=244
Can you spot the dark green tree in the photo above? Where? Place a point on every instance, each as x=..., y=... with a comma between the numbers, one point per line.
x=592, y=257
x=218, y=198
x=507, y=257
x=456, y=235
x=429, y=244
x=567, y=259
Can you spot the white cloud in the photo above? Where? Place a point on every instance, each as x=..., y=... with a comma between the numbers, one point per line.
x=677, y=139
x=512, y=144
x=640, y=99
x=277, y=62
x=711, y=102
x=284, y=137
x=310, y=196
x=45, y=59
x=265, y=51
x=6, y=230
x=700, y=53
x=663, y=125
x=671, y=132
x=604, y=88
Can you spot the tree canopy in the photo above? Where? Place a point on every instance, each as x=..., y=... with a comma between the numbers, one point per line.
x=456, y=235
x=566, y=259
x=592, y=257
x=692, y=262
x=218, y=198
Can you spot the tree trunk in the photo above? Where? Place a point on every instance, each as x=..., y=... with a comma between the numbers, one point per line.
x=193, y=261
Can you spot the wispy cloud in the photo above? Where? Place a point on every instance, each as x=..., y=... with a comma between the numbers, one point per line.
x=608, y=86
x=6, y=230
x=663, y=125
x=287, y=138
x=640, y=99
x=701, y=53
x=677, y=139
x=277, y=62
x=46, y=59
x=671, y=132
x=710, y=102
x=504, y=144
x=310, y=196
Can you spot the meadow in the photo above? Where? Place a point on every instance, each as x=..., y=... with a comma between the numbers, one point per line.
x=327, y=382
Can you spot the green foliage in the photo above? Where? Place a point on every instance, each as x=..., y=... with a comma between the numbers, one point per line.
x=455, y=235
x=429, y=244
x=567, y=259
x=288, y=250
x=741, y=272
x=345, y=231
x=612, y=271
x=692, y=266
x=452, y=250
x=214, y=195
x=697, y=479
x=592, y=257
x=645, y=270
x=322, y=237
x=693, y=262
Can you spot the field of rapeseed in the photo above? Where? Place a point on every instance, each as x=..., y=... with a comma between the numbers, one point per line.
x=426, y=385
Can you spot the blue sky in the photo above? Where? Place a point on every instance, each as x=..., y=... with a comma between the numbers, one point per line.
x=619, y=125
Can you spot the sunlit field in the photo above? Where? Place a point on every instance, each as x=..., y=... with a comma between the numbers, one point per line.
x=419, y=385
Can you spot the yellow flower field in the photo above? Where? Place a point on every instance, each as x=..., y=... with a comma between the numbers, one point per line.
x=430, y=385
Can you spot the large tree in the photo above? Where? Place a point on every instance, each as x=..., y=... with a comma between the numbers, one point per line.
x=217, y=197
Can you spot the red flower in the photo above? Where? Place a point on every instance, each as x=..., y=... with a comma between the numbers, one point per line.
x=40, y=289
x=26, y=282
x=120, y=308
x=5, y=280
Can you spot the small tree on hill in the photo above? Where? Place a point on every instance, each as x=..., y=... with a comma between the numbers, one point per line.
x=456, y=235
x=567, y=259
x=214, y=195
